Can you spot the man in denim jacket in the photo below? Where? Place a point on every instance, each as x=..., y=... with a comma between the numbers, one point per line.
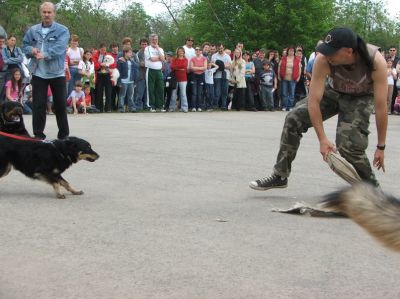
x=46, y=45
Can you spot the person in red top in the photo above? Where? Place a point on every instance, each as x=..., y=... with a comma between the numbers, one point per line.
x=103, y=61
x=179, y=67
x=198, y=65
x=289, y=75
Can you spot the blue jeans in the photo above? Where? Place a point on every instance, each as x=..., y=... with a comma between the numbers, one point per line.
x=288, y=88
x=209, y=95
x=140, y=92
x=197, y=91
x=221, y=92
x=75, y=76
x=182, y=97
x=126, y=91
x=267, y=100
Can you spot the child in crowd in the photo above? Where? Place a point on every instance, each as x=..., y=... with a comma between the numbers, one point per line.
x=396, y=108
x=128, y=70
x=209, y=80
x=14, y=90
x=268, y=83
x=77, y=98
x=49, y=101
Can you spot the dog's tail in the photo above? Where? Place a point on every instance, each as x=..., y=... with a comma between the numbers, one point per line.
x=371, y=209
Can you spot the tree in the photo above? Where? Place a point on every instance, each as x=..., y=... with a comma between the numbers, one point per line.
x=260, y=23
x=369, y=19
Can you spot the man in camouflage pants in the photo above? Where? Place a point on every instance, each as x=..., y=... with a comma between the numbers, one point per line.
x=356, y=77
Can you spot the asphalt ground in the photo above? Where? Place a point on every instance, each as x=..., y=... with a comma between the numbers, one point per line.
x=167, y=213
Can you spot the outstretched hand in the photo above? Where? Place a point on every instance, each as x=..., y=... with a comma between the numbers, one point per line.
x=325, y=147
x=379, y=159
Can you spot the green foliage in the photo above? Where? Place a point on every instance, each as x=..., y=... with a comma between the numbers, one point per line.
x=17, y=16
x=260, y=23
x=271, y=24
x=369, y=19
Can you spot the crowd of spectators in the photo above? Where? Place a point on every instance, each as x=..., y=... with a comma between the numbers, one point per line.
x=194, y=78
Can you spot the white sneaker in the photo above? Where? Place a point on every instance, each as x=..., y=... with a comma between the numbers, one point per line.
x=199, y=110
x=152, y=110
x=194, y=110
x=163, y=110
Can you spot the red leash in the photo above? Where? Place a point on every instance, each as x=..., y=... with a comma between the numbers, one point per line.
x=20, y=137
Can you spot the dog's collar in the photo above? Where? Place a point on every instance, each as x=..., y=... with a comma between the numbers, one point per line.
x=23, y=137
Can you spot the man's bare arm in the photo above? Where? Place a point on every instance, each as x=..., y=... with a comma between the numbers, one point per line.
x=379, y=76
x=317, y=87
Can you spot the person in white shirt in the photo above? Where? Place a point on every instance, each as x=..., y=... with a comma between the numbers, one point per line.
x=189, y=54
x=209, y=91
x=153, y=59
x=220, y=79
x=75, y=55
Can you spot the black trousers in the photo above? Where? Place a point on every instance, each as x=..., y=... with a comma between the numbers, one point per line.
x=103, y=84
x=39, y=105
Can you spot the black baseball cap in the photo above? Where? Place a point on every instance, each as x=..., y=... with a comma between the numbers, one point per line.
x=336, y=39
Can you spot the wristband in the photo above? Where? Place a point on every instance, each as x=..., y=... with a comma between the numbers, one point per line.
x=381, y=147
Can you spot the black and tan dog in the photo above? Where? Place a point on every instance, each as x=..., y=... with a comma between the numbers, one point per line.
x=44, y=160
x=11, y=118
x=376, y=212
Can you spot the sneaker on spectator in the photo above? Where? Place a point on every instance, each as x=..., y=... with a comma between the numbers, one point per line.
x=194, y=110
x=271, y=182
x=163, y=110
x=152, y=110
x=199, y=110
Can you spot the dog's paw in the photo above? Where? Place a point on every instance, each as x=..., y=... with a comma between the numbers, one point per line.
x=61, y=196
x=77, y=192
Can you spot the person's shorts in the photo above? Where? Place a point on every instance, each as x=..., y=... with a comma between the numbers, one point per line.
x=78, y=103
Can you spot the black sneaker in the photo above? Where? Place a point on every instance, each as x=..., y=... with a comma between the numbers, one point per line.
x=274, y=181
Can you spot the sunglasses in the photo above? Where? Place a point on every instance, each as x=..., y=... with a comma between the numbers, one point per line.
x=190, y=40
x=197, y=49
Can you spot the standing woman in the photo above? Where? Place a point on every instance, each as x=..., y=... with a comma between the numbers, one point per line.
x=277, y=92
x=198, y=65
x=289, y=75
x=75, y=55
x=86, y=69
x=12, y=56
x=249, y=76
x=179, y=66
x=391, y=77
x=238, y=77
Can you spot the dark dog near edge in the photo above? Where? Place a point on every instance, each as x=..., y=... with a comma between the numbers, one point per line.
x=369, y=207
x=44, y=160
x=11, y=119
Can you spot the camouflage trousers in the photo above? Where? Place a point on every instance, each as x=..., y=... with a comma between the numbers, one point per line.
x=351, y=132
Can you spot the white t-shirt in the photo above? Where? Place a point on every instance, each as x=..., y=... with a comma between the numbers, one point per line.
x=88, y=66
x=78, y=95
x=209, y=75
x=150, y=52
x=226, y=59
x=390, y=77
x=189, y=53
x=75, y=55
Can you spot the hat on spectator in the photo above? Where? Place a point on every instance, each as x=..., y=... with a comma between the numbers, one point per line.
x=336, y=39
x=169, y=53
